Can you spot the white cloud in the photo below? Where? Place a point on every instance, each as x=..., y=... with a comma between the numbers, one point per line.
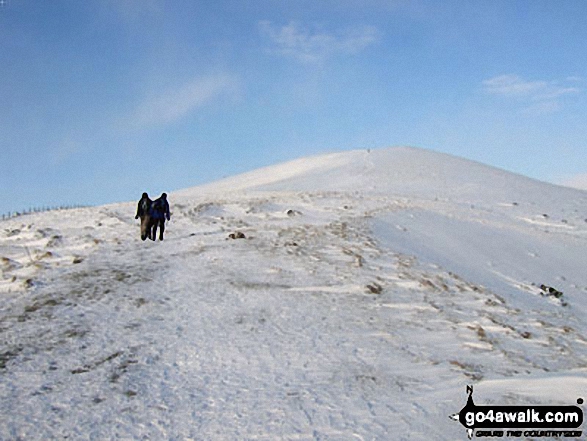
x=513, y=85
x=541, y=96
x=174, y=104
x=308, y=46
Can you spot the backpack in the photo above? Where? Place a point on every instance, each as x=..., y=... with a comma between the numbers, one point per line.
x=158, y=209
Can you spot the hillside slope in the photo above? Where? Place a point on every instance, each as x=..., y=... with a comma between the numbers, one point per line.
x=401, y=171
x=370, y=289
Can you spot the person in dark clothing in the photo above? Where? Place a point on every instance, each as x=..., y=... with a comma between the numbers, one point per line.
x=159, y=212
x=144, y=212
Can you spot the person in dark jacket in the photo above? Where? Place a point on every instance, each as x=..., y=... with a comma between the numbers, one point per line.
x=144, y=212
x=159, y=212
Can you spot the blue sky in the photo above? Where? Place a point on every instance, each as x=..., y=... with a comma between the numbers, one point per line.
x=101, y=100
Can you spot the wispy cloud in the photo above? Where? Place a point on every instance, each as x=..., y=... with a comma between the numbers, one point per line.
x=540, y=96
x=176, y=103
x=310, y=46
x=512, y=85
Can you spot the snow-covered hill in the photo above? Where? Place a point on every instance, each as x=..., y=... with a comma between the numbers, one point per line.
x=369, y=290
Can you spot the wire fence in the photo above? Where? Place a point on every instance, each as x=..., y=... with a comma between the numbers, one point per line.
x=13, y=214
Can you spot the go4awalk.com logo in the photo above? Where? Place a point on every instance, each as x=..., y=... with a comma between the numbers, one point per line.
x=520, y=421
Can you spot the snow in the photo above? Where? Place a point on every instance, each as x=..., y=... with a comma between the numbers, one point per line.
x=369, y=290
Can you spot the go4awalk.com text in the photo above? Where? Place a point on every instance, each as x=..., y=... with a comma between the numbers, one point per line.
x=520, y=421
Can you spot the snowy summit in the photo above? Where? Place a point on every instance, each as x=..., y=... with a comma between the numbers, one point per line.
x=349, y=296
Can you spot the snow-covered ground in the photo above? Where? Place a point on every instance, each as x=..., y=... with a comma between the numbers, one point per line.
x=371, y=287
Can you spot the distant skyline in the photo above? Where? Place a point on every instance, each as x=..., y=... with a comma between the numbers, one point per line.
x=103, y=99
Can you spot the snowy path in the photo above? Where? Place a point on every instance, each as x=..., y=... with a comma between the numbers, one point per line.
x=322, y=324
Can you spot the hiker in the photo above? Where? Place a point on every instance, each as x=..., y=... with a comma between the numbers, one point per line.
x=159, y=212
x=144, y=212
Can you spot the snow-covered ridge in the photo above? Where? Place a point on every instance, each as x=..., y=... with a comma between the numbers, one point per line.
x=369, y=289
x=402, y=171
